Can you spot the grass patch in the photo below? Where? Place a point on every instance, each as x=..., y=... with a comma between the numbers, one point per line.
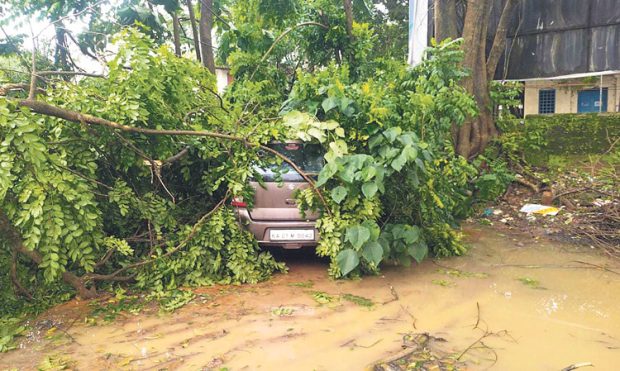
x=463, y=274
x=359, y=300
x=323, y=298
x=531, y=282
x=305, y=284
x=443, y=283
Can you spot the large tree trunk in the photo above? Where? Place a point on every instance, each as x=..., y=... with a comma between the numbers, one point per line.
x=445, y=19
x=192, y=21
x=176, y=33
x=206, y=41
x=14, y=239
x=475, y=133
x=472, y=137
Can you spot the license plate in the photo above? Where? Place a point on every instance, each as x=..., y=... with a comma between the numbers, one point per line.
x=291, y=234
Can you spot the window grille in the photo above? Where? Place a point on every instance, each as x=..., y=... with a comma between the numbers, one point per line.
x=546, y=101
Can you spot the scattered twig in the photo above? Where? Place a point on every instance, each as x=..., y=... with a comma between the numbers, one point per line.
x=394, y=295
x=478, y=316
x=413, y=319
x=575, y=366
x=597, y=266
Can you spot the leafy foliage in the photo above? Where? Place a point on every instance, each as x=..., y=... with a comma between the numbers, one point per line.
x=88, y=199
x=150, y=210
x=391, y=165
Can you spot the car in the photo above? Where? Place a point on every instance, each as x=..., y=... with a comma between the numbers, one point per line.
x=275, y=219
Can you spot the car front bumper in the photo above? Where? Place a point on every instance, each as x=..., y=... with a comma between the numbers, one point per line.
x=261, y=230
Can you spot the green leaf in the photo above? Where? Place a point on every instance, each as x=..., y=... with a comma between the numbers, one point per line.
x=339, y=193
x=348, y=175
x=339, y=132
x=392, y=133
x=329, y=103
x=400, y=161
x=375, y=141
x=374, y=229
x=339, y=148
x=411, y=234
x=373, y=252
x=327, y=173
x=368, y=172
x=317, y=133
x=357, y=235
x=369, y=189
x=347, y=260
x=410, y=152
x=418, y=251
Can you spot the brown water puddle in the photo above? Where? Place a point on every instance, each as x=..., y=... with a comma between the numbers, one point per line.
x=548, y=305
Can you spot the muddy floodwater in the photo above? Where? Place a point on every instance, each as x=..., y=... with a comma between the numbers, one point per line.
x=512, y=303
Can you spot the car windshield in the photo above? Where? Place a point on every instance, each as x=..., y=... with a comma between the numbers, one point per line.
x=308, y=157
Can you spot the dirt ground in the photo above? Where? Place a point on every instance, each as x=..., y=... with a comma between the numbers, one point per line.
x=514, y=302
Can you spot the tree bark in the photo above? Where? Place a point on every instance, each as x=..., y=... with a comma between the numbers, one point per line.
x=473, y=134
x=472, y=137
x=348, y=12
x=176, y=33
x=14, y=239
x=499, y=41
x=192, y=21
x=61, y=52
x=206, y=41
x=445, y=19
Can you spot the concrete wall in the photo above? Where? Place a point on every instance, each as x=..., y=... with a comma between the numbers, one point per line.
x=566, y=93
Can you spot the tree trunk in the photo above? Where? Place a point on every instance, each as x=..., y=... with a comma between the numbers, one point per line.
x=348, y=12
x=499, y=42
x=14, y=240
x=176, y=33
x=192, y=21
x=206, y=41
x=473, y=135
x=61, y=52
x=445, y=19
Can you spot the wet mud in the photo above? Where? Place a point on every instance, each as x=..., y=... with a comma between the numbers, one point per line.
x=512, y=303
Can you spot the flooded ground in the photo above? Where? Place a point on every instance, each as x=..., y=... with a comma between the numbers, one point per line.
x=513, y=303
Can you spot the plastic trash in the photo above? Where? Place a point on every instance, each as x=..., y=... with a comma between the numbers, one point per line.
x=539, y=209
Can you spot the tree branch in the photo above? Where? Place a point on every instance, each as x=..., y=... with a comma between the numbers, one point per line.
x=282, y=35
x=176, y=157
x=192, y=233
x=499, y=42
x=73, y=116
x=69, y=73
x=13, y=237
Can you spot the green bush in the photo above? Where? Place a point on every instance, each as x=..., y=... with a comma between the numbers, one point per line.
x=538, y=136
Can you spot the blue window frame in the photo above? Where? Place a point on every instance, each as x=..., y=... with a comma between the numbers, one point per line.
x=546, y=101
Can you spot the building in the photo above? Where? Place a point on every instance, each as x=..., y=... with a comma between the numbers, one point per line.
x=567, y=53
x=573, y=94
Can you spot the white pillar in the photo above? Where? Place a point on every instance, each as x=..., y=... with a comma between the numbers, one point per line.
x=418, y=30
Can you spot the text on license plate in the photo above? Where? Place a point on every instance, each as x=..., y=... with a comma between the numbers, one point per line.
x=291, y=234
